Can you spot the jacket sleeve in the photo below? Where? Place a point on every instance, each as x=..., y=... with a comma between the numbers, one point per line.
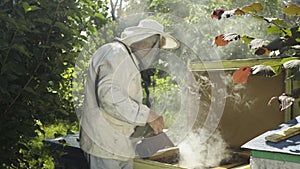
x=113, y=96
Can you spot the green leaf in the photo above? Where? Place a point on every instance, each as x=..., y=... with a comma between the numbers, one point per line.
x=258, y=17
x=3, y=85
x=100, y=16
x=291, y=9
x=295, y=32
x=274, y=30
x=44, y=20
x=254, y=8
x=275, y=21
x=288, y=32
x=4, y=68
x=8, y=20
x=276, y=66
x=62, y=27
x=21, y=49
x=28, y=8
x=287, y=59
x=18, y=69
x=247, y=39
x=30, y=90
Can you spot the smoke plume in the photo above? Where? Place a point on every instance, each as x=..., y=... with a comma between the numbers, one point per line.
x=196, y=154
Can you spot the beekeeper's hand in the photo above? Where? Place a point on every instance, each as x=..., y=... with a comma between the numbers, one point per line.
x=156, y=122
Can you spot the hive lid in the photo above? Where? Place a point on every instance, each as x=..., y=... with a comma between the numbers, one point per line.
x=290, y=145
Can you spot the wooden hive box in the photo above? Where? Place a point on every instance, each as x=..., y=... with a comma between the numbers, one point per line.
x=278, y=148
x=72, y=156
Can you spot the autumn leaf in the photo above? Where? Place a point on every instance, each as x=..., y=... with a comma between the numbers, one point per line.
x=219, y=41
x=224, y=39
x=241, y=75
x=254, y=8
x=221, y=13
x=217, y=14
x=291, y=9
x=262, y=51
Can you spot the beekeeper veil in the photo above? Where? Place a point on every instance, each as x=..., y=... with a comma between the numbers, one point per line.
x=147, y=30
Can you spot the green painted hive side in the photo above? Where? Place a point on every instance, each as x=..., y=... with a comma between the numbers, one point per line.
x=276, y=156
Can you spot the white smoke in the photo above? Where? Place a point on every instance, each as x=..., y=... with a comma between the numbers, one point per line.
x=196, y=154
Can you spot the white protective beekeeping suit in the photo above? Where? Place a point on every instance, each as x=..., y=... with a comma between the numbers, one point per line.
x=113, y=95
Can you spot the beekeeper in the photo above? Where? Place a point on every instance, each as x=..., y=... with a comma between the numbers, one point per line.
x=113, y=95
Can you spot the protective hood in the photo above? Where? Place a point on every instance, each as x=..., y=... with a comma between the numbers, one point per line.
x=145, y=29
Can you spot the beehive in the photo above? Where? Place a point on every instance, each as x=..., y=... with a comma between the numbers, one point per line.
x=278, y=148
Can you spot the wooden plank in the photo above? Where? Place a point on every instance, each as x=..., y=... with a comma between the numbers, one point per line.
x=229, y=64
x=168, y=155
x=227, y=166
x=151, y=145
x=148, y=164
x=239, y=158
x=247, y=166
x=243, y=154
x=284, y=134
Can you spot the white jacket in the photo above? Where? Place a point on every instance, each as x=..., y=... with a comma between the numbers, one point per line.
x=114, y=80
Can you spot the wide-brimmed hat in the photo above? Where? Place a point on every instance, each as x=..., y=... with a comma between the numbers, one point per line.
x=145, y=29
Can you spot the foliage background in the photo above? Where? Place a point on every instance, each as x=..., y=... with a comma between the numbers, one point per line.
x=40, y=41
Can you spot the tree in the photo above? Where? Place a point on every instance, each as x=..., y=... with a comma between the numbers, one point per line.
x=40, y=41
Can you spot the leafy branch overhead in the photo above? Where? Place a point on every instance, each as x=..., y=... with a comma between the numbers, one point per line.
x=272, y=69
x=222, y=13
x=262, y=46
x=289, y=37
x=291, y=9
x=268, y=70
